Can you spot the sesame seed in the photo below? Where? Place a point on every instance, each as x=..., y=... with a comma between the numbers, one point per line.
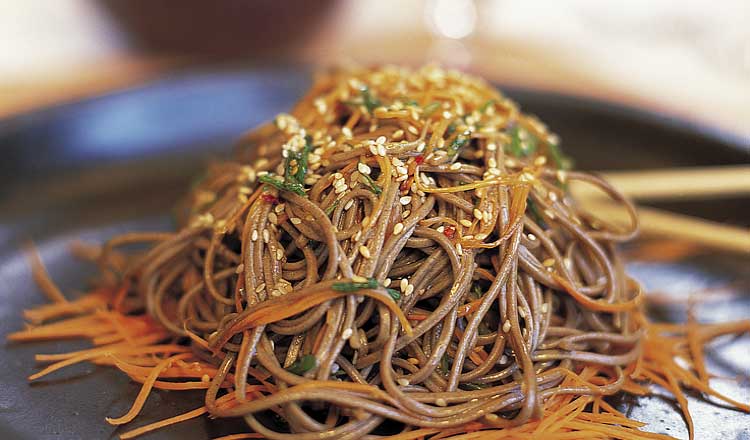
x=398, y=228
x=279, y=208
x=273, y=218
x=295, y=220
x=387, y=282
x=359, y=279
x=366, y=221
x=405, y=200
x=545, y=307
x=413, y=361
x=522, y=313
x=266, y=236
x=398, y=134
x=549, y=213
x=365, y=252
x=549, y=262
x=480, y=236
x=491, y=162
x=506, y=326
x=562, y=176
x=447, y=115
x=459, y=249
x=402, y=170
x=205, y=378
x=486, y=216
x=276, y=292
x=358, y=235
x=403, y=382
x=413, y=130
x=441, y=402
x=404, y=284
x=347, y=333
x=478, y=214
x=254, y=235
x=381, y=150
x=347, y=132
x=532, y=237
x=492, y=417
x=409, y=289
x=552, y=196
x=341, y=188
x=279, y=254
x=380, y=140
x=260, y=287
x=373, y=149
x=465, y=222
x=240, y=269
x=406, y=213
x=491, y=146
x=455, y=166
x=540, y=161
x=441, y=229
x=421, y=147
x=363, y=168
x=468, y=237
x=349, y=204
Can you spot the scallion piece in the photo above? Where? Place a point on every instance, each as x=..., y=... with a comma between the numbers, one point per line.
x=395, y=294
x=303, y=365
x=371, y=183
x=371, y=283
x=283, y=186
x=431, y=108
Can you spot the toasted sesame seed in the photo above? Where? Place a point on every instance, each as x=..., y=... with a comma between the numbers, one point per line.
x=381, y=150
x=347, y=132
x=366, y=221
x=480, y=236
x=295, y=220
x=469, y=237
x=387, y=282
x=409, y=289
x=373, y=149
x=491, y=162
x=486, y=216
x=478, y=214
x=359, y=279
x=341, y=188
x=562, y=176
x=522, y=313
x=413, y=130
x=273, y=218
x=380, y=140
x=506, y=326
x=545, y=307
x=240, y=268
x=455, y=166
x=532, y=237
x=402, y=170
x=347, y=333
x=549, y=213
x=398, y=228
x=404, y=284
x=441, y=229
x=358, y=235
x=254, y=235
x=205, y=378
x=491, y=146
x=492, y=417
x=403, y=382
x=405, y=200
x=406, y=213
x=413, y=361
x=279, y=254
x=277, y=292
x=552, y=196
x=279, y=208
x=447, y=115
x=549, y=262
x=421, y=147
x=465, y=222
x=441, y=402
x=365, y=252
x=398, y=134
x=363, y=168
x=266, y=236
x=540, y=161
x=260, y=287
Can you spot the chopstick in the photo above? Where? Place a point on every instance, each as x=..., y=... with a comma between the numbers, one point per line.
x=676, y=183
x=655, y=222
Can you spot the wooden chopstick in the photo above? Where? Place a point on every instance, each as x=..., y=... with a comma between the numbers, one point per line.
x=676, y=183
x=655, y=222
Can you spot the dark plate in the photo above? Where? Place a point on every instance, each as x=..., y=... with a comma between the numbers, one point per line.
x=118, y=162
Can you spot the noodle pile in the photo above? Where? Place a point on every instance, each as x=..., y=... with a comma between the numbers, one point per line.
x=398, y=255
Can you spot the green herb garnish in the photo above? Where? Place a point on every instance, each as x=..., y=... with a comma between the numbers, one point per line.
x=470, y=386
x=459, y=142
x=518, y=147
x=431, y=108
x=294, y=187
x=368, y=100
x=371, y=183
x=333, y=206
x=486, y=105
x=301, y=366
x=395, y=294
x=562, y=161
x=371, y=283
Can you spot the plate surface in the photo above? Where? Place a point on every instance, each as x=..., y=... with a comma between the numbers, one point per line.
x=118, y=162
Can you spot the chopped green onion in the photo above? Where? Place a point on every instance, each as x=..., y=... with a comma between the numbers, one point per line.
x=302, y=158
x=411, y=102
x=395, y=294
x=283, y=186
x=518, y=147
x=371, y=283
x=450, y=129
x=301, y=366
x=371, y=183
x=431, y=108
x=470, y=386
x=562, y=161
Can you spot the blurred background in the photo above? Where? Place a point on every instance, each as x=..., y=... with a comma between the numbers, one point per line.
x=684, y=58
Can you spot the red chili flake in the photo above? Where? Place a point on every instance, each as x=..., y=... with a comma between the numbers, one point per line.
x=449, y=231
x=419, y=159
x=405, y=185
x=268, y=198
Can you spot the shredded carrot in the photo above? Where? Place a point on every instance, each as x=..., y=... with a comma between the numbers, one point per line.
x=41, y=276
x=162, y=423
